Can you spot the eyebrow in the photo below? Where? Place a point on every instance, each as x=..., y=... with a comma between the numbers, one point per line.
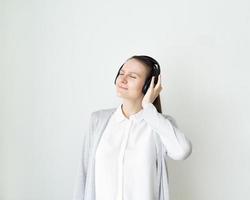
x=131, y=72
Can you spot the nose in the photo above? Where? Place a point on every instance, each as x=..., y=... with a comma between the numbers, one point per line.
x=124, y=79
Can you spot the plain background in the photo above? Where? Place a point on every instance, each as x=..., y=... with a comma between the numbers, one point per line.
x=58, y=62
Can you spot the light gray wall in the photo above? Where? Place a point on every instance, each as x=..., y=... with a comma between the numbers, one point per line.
x=58, y=61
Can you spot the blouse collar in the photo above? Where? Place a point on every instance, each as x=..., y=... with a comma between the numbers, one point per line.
x=120, y=117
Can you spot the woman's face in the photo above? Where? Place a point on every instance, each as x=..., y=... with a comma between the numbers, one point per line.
x=131, y=79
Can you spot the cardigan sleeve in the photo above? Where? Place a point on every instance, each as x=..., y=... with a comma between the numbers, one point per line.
x=80, y=178
x=177, y=145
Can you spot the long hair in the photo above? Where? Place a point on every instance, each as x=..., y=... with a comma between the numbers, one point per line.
x=149, y=62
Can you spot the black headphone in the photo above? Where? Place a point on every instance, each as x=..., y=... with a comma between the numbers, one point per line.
x=155, y=71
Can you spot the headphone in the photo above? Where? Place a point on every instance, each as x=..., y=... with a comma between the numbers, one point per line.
x=155, y=71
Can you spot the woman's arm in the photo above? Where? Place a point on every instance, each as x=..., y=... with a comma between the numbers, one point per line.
x=178, y=147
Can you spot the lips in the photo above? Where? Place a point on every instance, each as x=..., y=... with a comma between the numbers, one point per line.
x=123, y=88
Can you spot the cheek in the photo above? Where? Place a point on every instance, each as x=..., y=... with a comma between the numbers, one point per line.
x=138, y=85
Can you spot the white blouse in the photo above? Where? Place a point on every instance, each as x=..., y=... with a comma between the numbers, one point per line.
x=125, y=160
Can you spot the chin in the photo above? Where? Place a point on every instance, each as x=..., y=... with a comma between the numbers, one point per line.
x=123, y=96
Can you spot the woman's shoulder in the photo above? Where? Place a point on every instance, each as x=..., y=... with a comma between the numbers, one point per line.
x=100, y=113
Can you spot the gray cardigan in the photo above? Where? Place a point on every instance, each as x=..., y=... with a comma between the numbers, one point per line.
x=85, y=179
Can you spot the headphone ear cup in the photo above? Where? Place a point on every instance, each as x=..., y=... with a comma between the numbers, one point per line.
x=146, y=86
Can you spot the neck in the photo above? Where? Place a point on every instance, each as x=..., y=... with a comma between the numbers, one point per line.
x=130, y=107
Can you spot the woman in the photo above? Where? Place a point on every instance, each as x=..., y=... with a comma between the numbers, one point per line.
x=126, y=148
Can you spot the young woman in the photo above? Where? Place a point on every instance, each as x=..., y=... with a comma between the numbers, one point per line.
x=126, y=148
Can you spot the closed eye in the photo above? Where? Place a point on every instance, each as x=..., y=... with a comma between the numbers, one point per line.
x=129, y=76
